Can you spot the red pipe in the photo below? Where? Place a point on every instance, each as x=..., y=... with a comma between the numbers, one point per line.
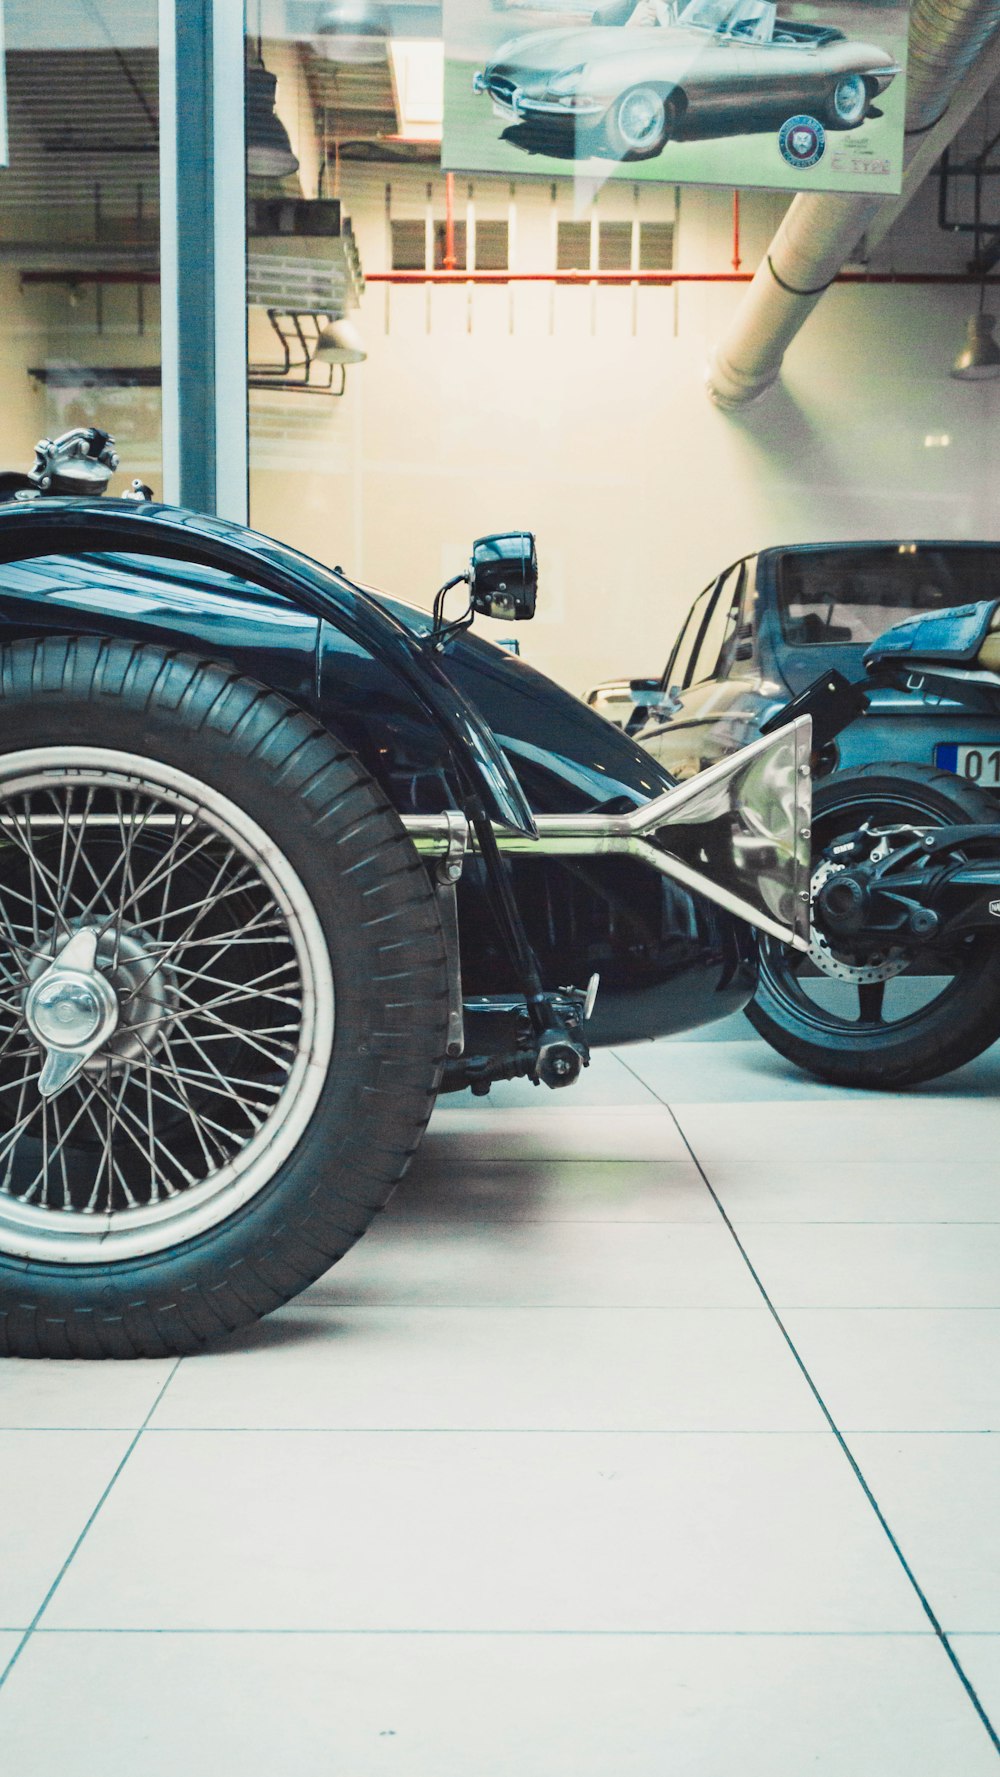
x=450, y=261
x=737, y=261
x=659, y=277
x=653, y=278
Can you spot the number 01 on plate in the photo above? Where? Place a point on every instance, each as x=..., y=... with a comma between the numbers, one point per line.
x=980, y=764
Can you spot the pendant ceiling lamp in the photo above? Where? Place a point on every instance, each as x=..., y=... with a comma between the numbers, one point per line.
x=269, y=151
x=351, y=31
x=980, y=356
x=340, y=342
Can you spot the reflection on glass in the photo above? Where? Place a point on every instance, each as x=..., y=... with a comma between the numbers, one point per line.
x=79, y=228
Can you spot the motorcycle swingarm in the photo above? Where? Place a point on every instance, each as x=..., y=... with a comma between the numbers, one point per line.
x=905, y=894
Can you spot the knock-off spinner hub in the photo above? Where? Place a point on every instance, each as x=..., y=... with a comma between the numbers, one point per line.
x=70, y=1010
x=65, y=1008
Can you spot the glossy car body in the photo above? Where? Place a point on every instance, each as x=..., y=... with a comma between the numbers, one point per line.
x=728, y=62
x=434, y=727
x=770, y=624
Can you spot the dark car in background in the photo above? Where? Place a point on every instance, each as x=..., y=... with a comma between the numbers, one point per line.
x=771, y=623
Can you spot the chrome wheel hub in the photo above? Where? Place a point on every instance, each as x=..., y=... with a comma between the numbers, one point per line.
x=70, y=1010
x=640, y=118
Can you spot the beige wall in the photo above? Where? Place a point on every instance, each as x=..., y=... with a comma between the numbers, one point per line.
x=582, y=415
x=22, y=403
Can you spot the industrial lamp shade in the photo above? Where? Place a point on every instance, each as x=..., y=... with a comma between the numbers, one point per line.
x=980, y=356
x=351, y=31
x=339, y=342
x=269, y=151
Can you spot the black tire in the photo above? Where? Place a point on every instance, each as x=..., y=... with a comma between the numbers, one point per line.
x=957, y=1024
x=625, y=139
x=378, y=925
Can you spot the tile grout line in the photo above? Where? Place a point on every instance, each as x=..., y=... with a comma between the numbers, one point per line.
x=846, y=1451
x=563, y=1634
x=56, y=1583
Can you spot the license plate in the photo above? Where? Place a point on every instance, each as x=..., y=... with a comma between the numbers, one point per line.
x=981, y=764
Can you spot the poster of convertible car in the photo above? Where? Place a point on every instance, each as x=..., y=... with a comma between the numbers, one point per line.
x=778, y=93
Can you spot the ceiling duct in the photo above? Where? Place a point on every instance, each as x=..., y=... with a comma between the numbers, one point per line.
x=819, y=232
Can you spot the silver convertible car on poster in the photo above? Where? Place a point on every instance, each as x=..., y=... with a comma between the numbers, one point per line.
x=639, y=75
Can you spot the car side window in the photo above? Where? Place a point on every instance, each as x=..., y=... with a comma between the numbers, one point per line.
x=720, y=627
x=739, y=651
x=675, y=676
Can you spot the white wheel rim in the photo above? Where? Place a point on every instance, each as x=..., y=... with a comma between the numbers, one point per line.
x=88, y=1176
x=849, y=99
x=641, y=117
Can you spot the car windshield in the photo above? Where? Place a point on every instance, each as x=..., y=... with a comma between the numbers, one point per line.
x=744, y=18
x=845, y=597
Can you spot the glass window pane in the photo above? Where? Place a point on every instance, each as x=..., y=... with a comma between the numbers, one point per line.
x=79, y=230
x=450, y=411
x=739, y=659
x=839, y=597
x=721, y=625
x=678, y=670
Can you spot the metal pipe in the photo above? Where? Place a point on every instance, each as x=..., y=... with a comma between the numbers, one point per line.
x=654, y=278
x=69, y=275
x=819, y=232
x=450, y=261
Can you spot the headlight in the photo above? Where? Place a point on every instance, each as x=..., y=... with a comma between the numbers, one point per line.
x=566, y=81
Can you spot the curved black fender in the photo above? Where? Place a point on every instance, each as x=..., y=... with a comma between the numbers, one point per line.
x=59, y=527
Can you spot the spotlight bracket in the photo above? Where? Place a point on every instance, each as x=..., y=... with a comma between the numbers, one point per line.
x=298, y=332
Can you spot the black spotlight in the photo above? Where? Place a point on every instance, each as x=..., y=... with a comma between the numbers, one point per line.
x=269, y=151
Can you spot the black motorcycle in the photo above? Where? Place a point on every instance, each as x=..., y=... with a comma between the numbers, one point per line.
x=902, y=979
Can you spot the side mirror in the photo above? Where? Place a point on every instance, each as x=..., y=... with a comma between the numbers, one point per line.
x=667, y=703
x=503, y=576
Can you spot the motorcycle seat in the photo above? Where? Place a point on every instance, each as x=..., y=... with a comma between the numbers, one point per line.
x=989, y=654
x=963, y=635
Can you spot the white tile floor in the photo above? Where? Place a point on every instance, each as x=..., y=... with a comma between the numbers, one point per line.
x=648, y=1433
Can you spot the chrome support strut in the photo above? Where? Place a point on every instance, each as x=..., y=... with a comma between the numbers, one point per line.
x=773, y=825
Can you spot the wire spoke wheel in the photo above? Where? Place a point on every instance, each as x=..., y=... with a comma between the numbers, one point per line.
x=212, y=982
x=640, y=123
x=224, y=999
x=849, y=101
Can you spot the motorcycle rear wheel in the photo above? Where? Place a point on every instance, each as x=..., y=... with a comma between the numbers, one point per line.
x=955, y=1024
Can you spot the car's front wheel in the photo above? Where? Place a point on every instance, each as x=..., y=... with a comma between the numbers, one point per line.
x=848, y=103
x=640, y=123
x=223, y=1000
